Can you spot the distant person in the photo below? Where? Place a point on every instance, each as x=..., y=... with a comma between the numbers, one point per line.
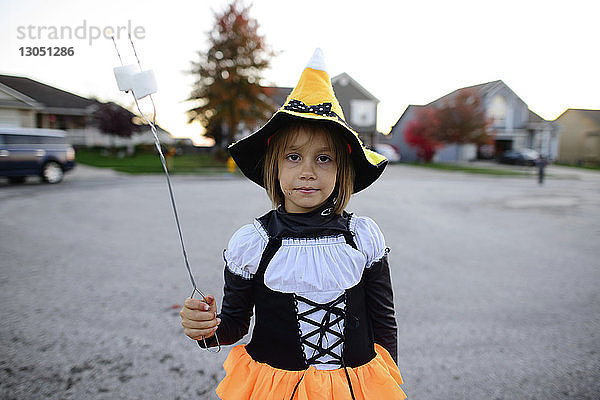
x=317, y=277
x=168, y=157
x=541, y=163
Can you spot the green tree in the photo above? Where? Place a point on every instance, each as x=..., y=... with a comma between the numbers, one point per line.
x=227, y=89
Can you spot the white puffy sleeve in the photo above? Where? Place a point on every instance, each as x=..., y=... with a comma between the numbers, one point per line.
x=368, y=238
x=245, y=249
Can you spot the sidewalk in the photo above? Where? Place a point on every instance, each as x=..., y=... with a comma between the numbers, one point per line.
x=551, y=171
x=85, y=172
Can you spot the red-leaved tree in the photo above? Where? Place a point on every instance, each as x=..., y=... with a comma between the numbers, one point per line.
x=115, y=121
x=419, y=133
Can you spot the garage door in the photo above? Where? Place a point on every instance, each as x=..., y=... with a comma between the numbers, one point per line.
x=9, y=118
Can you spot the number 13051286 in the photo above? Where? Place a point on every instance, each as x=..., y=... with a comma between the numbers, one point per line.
x=47, y=51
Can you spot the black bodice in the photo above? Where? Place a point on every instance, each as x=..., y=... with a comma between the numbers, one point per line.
x=277, y=340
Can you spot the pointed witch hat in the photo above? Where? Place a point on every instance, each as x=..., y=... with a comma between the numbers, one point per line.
x=312, y=98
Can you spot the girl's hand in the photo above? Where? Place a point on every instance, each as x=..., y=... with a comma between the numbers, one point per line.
x=198, y=318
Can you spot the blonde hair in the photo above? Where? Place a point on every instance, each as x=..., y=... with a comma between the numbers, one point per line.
x=276, y=145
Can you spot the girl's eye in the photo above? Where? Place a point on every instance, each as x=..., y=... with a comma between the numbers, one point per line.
x=293, y=157
x=323, y=159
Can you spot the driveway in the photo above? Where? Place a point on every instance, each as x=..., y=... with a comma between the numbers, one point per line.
x=496, y=283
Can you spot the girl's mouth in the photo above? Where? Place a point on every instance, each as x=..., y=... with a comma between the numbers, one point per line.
x=306, y=190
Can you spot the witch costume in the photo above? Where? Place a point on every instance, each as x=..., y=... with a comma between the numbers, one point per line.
x=319, y=282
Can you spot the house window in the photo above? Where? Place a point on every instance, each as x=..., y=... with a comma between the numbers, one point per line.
x=497, y=110
x=61, y=122
x=362, y=113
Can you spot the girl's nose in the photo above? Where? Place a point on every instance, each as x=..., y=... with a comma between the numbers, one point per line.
x=307, y=171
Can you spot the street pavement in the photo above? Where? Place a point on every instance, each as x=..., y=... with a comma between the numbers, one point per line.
x=496, y=282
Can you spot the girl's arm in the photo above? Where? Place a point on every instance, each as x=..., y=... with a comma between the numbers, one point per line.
x=380, y=303
x=236, y=310
x=241, y=258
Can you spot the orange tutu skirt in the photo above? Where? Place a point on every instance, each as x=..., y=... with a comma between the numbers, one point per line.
x=247, y=379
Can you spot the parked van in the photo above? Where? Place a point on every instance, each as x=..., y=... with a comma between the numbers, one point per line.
x=29, y=151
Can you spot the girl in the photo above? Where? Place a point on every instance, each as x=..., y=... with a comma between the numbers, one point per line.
x=317, y=276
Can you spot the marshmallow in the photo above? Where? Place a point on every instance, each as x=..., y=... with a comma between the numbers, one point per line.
x=144, y=84
x=124, y=76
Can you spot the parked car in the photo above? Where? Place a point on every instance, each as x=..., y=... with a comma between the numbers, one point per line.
x=388, y=151
x=519, y=157
x=40, y=152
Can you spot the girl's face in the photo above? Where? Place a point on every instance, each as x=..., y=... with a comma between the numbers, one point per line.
x=307, y=172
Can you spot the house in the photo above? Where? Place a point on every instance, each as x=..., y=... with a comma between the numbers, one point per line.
x=30, y=104
x=579, y=136
x=27, y=103
x=514, y=124
x=358, y=104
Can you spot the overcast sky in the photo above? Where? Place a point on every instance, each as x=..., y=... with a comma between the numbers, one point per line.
x=403, y=52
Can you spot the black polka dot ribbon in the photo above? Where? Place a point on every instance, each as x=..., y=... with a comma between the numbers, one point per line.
x=323, y=109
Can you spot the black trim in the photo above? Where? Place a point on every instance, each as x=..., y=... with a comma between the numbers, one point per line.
x=312, y=224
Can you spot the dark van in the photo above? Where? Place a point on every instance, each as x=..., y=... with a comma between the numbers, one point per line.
x=29, y=151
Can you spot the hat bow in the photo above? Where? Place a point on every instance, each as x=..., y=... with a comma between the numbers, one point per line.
x=319, y=109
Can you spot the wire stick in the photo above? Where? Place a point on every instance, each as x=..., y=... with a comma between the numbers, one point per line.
x=172, y=197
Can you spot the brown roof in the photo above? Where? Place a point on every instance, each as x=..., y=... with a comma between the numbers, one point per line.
x=48, y=96
x=482, y=88
x=594, y=115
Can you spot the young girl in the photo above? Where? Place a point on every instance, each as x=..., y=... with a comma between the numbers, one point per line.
x=317, y=276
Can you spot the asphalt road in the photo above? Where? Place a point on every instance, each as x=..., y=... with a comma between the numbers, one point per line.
x=496, y=282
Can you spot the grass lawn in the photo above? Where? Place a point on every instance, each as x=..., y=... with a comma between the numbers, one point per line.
x=589, y=166
x=472, y=170
x=150, y=163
